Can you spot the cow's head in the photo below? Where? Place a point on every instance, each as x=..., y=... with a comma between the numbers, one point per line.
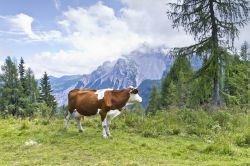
x=134, y=96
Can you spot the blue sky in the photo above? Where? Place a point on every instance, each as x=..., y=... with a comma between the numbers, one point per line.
x=66, y=37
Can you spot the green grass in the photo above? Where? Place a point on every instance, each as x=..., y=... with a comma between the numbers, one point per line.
x=136, y=140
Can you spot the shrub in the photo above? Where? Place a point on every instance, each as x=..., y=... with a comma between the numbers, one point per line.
x=222, y=117
x=219, y=148
x=242, y=140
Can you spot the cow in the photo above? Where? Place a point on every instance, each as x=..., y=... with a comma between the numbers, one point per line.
x=106, y=102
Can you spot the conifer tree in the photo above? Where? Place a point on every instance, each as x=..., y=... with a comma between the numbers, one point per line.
x=10, y=90
x=21, y=71
x=214, y=25
x=31, y=85
x=175, y=86
x=45, y=93
x=154, y=101
x=168, y=94
x=237, y=80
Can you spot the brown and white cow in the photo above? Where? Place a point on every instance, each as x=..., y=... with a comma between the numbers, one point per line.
x=107, y=102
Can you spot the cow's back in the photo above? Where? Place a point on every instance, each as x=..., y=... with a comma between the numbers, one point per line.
x=84, y=101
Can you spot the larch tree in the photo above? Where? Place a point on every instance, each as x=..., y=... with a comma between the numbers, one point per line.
x=214, y=24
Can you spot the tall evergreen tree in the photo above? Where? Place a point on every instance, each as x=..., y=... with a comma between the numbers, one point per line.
x=31, y=85
x=10, y=90
x=237, y=81
x=214, y=25
x=45, y=93
x=175, y=86
x=21, y=70
x=154, y=101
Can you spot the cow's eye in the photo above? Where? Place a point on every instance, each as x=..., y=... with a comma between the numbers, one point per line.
x=134, y=91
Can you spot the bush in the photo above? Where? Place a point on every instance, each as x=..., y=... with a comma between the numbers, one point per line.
x=242, y=140
x=222, y=117
x=219, y=148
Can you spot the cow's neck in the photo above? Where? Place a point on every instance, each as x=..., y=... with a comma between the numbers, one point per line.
x=123, y=96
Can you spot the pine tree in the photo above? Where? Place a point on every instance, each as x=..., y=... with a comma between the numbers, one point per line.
x=154, y=101
x=214, y=25
x=45, y=93
x=237, y=80
x=21, y=71
x=10, y=90
x=31, y=85
x=175, y=86
x=168, y=94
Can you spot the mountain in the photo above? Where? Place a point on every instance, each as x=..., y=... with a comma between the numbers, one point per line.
x=142, y=68
x=64, y=82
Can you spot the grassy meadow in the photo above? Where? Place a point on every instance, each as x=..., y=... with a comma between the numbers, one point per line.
x=182, y=137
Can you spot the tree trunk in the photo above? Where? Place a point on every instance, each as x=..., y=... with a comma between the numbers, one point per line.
x=216, y=95
x=215, y=52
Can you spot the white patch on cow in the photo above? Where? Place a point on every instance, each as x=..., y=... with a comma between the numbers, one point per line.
x=134, y=98
x=98, y=110
x=128, y=104
x=112, y=114
x=76, y=114
x=100, y=93
x=131, y=87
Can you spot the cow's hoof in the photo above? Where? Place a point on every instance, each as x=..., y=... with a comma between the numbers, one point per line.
x=80, y=131
x=105, y=136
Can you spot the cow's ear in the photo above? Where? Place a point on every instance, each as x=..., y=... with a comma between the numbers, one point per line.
x=108, y=99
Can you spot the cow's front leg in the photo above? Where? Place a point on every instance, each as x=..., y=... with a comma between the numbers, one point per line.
x=111, y=115
x=104, y=123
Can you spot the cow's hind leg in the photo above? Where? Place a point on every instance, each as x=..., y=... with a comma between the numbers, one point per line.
x=79, y=125
x=67, y=120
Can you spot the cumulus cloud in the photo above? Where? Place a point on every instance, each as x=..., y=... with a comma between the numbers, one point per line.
x=149, y=18
x=21, y=24
x=96, y=35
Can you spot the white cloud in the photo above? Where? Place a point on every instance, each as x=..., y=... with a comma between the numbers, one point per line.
x=21, y=24
x=149, y=18
x=60, y=63
x=95, y=34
